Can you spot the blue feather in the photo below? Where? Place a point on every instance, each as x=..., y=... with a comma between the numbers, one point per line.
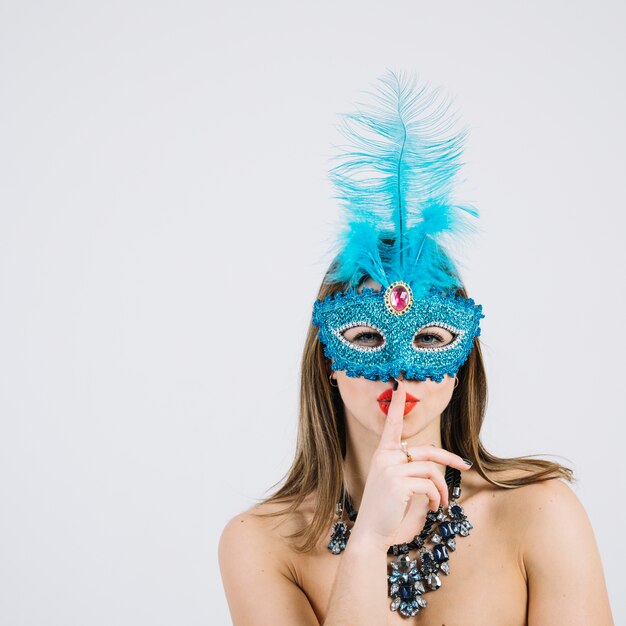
x=395, y=180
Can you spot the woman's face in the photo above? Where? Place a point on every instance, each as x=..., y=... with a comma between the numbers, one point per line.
x=361, y=397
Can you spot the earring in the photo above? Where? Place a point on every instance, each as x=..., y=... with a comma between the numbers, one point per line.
x=330, y=378
x=456, y=382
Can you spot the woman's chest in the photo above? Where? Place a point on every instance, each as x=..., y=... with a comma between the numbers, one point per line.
x=485, y=584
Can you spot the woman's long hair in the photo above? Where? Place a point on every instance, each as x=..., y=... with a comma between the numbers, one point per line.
x=321, y=444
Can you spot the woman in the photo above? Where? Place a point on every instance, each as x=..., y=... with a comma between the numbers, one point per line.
x=372, y=525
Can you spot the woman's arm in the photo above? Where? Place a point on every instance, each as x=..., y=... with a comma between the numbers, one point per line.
x=359, y=594
x=565, y=577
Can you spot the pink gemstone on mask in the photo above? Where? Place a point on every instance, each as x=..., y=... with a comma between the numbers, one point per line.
x=399, y=298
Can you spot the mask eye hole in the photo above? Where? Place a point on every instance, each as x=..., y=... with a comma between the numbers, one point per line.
x=433, y=337
x=364, y=337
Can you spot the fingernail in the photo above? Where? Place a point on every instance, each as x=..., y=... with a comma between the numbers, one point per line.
x=468, y=462
x=395, y=385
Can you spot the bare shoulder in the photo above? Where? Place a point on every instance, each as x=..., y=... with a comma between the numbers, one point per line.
x=529, y=510
x=532, y=493
x=548, y=498
x=268, y=522
x=549, y=528
x=539, y=500
x=256, y=564
x=548, y=512
x=260, y=532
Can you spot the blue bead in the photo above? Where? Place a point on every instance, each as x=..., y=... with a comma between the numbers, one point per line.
x=446, y=530
x=455, y=509
x=441, y=553
x=406, y=592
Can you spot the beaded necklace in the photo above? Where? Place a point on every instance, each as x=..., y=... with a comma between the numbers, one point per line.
x=408, y=579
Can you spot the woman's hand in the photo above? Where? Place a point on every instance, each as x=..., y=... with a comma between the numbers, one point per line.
x=398, y=494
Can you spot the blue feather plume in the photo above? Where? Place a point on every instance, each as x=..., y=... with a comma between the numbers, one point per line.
x=395, y=181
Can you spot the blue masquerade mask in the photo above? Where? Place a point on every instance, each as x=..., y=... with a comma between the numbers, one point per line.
x=396, y=322
x=395, y=181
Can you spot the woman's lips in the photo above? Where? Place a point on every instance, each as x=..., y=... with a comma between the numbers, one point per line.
x=384, y=399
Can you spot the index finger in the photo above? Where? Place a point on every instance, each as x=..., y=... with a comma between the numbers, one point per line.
x=392, y=432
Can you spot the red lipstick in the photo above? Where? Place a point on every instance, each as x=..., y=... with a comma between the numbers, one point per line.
x=384, y=400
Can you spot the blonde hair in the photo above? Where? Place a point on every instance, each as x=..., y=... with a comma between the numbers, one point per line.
x=321, y=442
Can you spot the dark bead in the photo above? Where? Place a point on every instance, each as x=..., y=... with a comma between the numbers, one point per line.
x=456, y=510
x=446, y=530
x=441, y=553
x=406, y=592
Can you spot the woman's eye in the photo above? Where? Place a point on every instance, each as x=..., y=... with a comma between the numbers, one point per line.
x=369, y=338
x=433, y=338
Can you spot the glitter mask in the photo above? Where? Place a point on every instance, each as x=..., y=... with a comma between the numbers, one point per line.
x=398, y=318
x=395, y=179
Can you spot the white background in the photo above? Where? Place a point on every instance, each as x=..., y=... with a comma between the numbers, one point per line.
x=164, y=221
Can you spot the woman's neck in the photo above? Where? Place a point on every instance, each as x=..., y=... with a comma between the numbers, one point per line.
x=361, y=443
